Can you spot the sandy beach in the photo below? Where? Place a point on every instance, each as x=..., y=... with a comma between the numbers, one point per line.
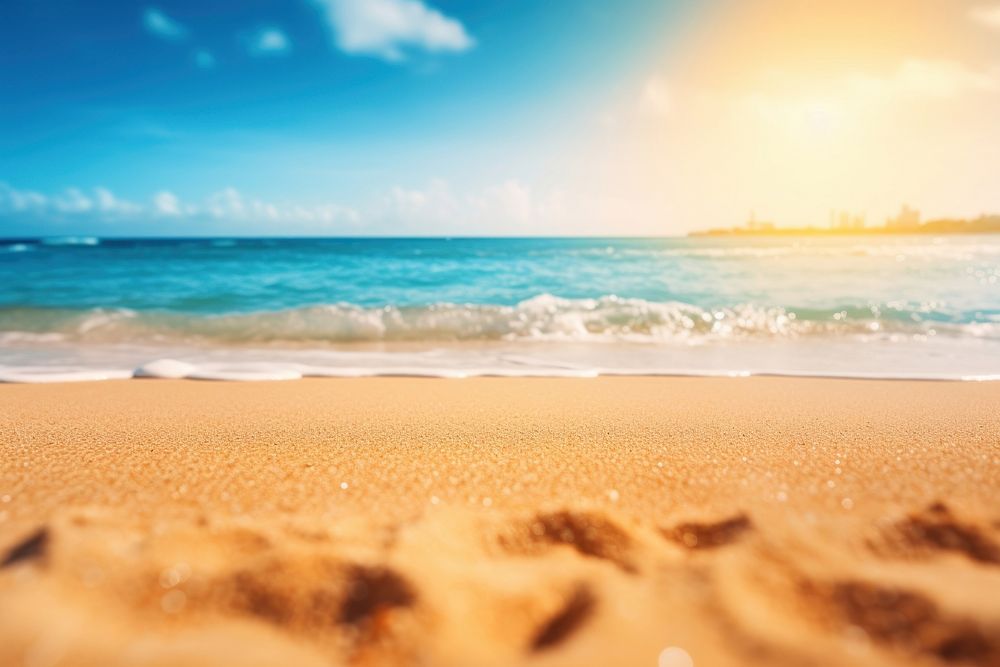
x=392, y=521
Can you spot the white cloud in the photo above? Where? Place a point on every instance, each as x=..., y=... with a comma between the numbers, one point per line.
x=988, y=15
x=107, y=202
x=167, y=203
x=226, y=203
x=21, y=201
x=204, y=59
x=227, y=207
x=229, y=204
x=510, y=207
x=507, y=207
x=269, y=41
x=435, y=203
x=512, y=199
x=385, y=28
x=163, y=26
x=73, y=201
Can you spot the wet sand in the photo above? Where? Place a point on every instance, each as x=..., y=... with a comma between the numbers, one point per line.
x=484, y=522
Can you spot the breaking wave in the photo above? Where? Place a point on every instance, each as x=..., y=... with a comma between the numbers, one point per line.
x=71, y=240
x=542, y=318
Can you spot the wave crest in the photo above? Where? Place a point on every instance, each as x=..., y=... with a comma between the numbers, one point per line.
x=542, y=318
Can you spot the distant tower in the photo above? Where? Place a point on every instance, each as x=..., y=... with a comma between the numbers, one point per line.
x=908, y=218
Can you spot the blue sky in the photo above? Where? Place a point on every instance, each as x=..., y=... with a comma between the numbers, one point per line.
x=491, y=117
x=179, y=117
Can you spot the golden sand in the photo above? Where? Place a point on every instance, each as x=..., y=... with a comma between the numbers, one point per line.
x=466, y=523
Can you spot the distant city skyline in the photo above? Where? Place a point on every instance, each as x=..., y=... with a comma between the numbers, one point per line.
x=513, y=117
x=906, y=221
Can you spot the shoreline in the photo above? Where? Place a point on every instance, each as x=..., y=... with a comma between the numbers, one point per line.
x=501, y=521
x=241, y=376
x=933, y=359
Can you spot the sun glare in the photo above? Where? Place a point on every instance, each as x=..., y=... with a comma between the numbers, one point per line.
x=822, y=118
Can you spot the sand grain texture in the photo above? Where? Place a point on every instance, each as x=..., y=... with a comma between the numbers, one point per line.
x=500, y=522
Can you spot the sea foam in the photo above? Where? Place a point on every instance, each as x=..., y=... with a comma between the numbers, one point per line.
x=544, y=318
x=940, y=358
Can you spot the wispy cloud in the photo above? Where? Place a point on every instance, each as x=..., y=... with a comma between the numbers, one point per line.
x=507, y=207
x=166, y=203
x=163, y=26
x=17, y=201
x=72, y=202
x=227, y=205
x=988, y=15
x=230, y=204
x=387, y=28
x=269, y=41
x=106, y=202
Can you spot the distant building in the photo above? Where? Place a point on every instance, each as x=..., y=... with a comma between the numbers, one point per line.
x=907, y=222
x=846, y=222
x=755, y=225
x=908, y=218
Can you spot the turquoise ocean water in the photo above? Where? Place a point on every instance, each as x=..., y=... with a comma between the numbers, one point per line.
x=895, y=306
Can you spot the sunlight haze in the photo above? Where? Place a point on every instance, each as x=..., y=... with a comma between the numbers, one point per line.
x=323, y=117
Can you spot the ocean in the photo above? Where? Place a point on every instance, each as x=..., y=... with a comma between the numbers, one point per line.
x=866, y=306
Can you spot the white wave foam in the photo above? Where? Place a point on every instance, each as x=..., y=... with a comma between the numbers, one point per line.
x=165, y=369
x=72, y=240
x=10, y=337
x=242, y=372
x=930, y=358
x=545, y=318
x=257, y=372
x=50, y=374
x=245, y=374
